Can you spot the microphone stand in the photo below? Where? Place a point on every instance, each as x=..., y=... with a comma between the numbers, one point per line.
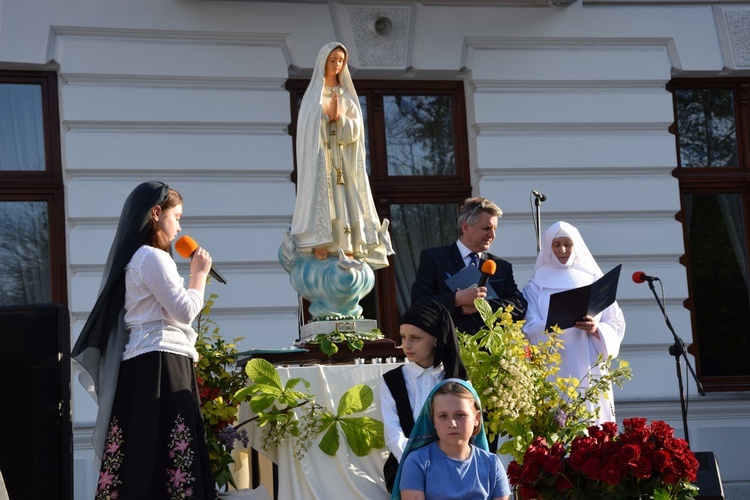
x=677, y=350
x=538, y=222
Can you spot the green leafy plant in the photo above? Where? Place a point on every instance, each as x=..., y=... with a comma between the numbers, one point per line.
x=522, y=395
x=284, y=411
x=219, y=379
x=223, y=386
x=354, y=341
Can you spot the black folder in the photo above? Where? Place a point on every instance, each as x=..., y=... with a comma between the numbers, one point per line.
x=565, y=308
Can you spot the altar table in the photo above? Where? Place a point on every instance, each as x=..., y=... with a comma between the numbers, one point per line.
x=318, y=475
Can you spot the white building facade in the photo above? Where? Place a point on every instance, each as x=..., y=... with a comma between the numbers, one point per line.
x=569, y=100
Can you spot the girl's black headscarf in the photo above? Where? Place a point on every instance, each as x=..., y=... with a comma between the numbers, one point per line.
x=432, y=317
x=101, y=342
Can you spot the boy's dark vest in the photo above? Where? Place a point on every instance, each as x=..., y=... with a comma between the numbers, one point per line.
x=394, y=379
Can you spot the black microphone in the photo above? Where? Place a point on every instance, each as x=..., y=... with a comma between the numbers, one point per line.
x=640, y=277
x=186, y=247
x=488, y=269
x=539, y=195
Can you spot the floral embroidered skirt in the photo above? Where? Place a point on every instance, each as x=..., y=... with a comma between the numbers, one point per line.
x=156, y=445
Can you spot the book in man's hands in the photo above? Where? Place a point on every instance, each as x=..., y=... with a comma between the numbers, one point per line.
x=570, y=306
x=468, y=277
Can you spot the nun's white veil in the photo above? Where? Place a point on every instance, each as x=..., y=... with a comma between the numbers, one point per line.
x=581, y=268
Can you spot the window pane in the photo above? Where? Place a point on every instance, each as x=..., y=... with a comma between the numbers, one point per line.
x=719, y=271
x=24, y=253
x=705, y=123
x=21, y=127
x=419, y=135
x=415, y=227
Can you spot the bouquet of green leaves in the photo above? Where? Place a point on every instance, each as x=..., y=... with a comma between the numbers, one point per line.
x=522, y=395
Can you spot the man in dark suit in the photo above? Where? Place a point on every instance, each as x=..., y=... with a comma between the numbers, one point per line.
x=477, y=222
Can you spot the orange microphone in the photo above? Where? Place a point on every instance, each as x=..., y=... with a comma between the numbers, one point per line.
x=186, y=247
x=488, y=269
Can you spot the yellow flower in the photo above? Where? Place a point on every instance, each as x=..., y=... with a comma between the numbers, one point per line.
x=521, y=393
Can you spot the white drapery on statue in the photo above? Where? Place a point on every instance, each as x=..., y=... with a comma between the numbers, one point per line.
x=334, y=208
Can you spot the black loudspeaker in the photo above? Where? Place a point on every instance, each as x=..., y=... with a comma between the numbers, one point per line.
x=36, y=452
x=709, y=479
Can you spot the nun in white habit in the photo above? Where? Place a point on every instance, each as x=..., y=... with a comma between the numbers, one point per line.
x=565, y=262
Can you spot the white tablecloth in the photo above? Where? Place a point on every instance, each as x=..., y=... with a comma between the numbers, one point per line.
x=319, y=475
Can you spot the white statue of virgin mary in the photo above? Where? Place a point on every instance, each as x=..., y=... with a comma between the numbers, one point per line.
x=334, y=220
x=335, y=212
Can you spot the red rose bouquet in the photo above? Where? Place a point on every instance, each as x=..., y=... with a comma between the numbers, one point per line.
x=642, y=462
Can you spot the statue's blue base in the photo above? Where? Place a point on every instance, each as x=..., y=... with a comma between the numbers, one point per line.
x=332, y=290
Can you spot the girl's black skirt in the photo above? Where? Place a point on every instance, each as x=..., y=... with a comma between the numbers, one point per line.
x=156, y=446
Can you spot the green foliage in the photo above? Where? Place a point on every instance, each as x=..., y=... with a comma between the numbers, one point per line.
x=354, y=341
x=521, y=393
x=284, y=411
x=218, y=380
